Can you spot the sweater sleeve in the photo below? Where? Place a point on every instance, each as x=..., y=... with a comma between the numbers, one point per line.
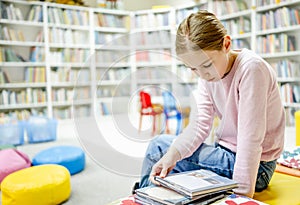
x=253, y=91
x=200, y=124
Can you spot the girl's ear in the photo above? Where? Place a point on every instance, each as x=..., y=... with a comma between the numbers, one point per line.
x=227, y=43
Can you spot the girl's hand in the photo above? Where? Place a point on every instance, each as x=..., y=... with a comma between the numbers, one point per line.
x=165, y=165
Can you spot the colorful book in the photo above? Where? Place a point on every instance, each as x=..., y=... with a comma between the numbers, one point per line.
x=290, y=158
x=197, y=182
x=235, y=199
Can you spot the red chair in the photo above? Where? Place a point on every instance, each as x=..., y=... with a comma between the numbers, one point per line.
x=147, y=108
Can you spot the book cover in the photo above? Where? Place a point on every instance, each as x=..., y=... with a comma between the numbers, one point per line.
x=197, y=182
x=235, y=199
x=290, y=158
x=158, y=195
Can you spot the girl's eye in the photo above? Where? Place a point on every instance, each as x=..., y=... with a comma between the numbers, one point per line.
x=193, y=69
x=207, y=66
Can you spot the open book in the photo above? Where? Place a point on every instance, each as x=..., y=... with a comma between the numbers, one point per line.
x=197, y=182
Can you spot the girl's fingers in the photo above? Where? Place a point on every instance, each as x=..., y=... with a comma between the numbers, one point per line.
x=154, y=181
x=163, y=172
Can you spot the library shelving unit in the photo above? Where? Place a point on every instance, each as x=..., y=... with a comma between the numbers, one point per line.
x=68, y=59
x=236, y=16
x=111, y=47
x=22, y=58
x=277, y=40
x=152, y=47
x=51, y=54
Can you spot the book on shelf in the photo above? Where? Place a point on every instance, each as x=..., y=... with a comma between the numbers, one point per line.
x=2, y=55
x=11, y=56
x=197, y=182
x=12, y=34
x=159, y=195
x=4, y=77
x=104, y=109
x=35, y=14
x=237, y=199
x=11, y=12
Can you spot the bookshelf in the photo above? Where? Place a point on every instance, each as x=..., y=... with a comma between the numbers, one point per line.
x=152, y=47
x=68, y=60
x=112, y=58
x=50, y=54
x=23, y=86
x=57, y=59
x=277, y=40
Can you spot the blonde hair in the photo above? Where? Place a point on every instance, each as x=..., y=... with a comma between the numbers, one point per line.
x=200, y=30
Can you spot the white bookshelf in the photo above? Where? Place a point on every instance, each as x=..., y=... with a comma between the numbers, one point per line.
x=152, y=47
x=19, y=36
x=68, y=46
x=275, y=22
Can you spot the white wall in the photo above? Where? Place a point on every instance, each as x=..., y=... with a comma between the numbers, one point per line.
x=133, y=5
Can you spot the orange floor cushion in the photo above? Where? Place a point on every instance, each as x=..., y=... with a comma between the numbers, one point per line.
x=283, y=190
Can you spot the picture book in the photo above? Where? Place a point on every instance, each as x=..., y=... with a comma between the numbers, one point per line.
x=197, y=182
x=290, y=158
x=157, y=195
x=235, y=199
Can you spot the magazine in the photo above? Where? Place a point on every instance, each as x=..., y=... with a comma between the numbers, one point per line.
x=197, y=182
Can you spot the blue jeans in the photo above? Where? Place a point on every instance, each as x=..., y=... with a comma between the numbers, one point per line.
x=211, y=157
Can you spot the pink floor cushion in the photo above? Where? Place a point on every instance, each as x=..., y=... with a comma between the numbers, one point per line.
x=12, y=160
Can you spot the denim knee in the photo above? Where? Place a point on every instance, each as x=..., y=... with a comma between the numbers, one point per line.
x=265, y=173
x=159, y=145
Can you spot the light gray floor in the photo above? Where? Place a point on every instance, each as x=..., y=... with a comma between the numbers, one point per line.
x=95, y=185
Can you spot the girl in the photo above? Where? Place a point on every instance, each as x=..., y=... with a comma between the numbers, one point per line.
x=238, y=87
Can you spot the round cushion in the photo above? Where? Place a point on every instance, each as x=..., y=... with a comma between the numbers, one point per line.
x=44, y=184
x=71, y=157
x=12, y=160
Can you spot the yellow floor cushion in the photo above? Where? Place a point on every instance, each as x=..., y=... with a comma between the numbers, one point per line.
x=42, y=185
x=282, y=190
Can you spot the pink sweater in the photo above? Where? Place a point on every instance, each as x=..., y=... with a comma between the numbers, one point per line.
x=252, y=119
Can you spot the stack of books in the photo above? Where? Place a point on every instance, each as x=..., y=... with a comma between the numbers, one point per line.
x=192, y=187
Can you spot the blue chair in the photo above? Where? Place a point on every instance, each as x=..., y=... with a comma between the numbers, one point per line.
x=171, y=111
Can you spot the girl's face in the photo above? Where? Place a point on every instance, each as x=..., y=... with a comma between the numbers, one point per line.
x=208, y=65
